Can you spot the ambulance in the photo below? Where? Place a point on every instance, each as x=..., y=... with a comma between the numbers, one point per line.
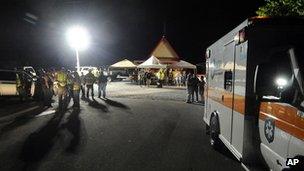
x=254, y=98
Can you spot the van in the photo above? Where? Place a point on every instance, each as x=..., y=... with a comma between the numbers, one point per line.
x=254, y=99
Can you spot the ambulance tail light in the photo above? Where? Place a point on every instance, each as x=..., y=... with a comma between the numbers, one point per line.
x=240, y=37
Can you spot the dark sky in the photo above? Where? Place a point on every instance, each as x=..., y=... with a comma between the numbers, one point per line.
x=120, y=29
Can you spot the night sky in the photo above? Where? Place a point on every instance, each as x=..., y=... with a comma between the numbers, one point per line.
x=119, y=29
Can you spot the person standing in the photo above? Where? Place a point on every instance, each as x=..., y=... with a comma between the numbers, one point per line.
x=70, y=86
x=190, y=88
x=20, y=86
x=46, y=89
x=141, y=77
x=195, y=87
x=161, y=77
x=184, y=78
x=82, y=85
x=89, y=81
x=170, y=77
x=148, y=78
x=76, y=89
x=178, y=78
x=61, y=79
x=102, y=85
x=201, y=88
x=145, y=77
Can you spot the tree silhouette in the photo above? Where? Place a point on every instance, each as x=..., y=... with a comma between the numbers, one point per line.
x=276, y=8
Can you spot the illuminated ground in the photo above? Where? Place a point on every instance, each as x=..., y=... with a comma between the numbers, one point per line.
x=140, y=132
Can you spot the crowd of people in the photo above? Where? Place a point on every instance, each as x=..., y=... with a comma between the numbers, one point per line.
x=67, y=85
x=195, y=86
x=161, y=77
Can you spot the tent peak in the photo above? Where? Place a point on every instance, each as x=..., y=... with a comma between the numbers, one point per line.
x=164, y=50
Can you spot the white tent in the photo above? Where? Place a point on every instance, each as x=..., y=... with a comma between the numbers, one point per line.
x=182, y=64
x=123, y=64
x=152, y=62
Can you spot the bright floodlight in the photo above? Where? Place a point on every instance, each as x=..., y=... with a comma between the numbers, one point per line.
x=281, y=82
x=78, y=38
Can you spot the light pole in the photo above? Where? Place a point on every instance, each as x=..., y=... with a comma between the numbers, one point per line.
x=78, y=38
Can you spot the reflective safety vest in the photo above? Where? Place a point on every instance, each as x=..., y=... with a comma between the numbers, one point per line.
x=76, y=87
x=62, y=78
x=18, y=81
x=161, y=75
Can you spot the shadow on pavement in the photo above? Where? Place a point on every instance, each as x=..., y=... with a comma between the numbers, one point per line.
x=226, y=152
x=13, y=101
x=39, y=143
x=21, y=120
x=115, y=103
x=198, y=103
x=73, y=126
x=93, y=103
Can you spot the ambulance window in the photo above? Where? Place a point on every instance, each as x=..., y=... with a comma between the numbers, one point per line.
x=275, y=76
x=228, y=80
x=283, y=75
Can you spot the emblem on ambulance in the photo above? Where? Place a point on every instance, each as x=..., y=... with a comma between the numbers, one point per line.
x=269, y=129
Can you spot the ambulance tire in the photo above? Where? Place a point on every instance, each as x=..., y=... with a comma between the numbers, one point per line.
x=214, y=133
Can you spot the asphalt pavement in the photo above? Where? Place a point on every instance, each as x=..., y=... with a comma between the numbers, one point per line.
x=137, y=128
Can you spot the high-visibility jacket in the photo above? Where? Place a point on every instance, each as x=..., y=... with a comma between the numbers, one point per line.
x=62, y=78
x=76, y=84
x=161, y=75
x=76, y=87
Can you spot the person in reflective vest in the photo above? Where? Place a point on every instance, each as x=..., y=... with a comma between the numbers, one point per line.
x=76, y=89
x=61, y=79
x=161, y=77
x=20, y=86
x=89, y=81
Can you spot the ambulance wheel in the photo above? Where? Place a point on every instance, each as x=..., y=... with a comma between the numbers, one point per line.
x=214, y=133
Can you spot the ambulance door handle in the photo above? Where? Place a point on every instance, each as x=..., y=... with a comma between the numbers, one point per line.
x=278, y=162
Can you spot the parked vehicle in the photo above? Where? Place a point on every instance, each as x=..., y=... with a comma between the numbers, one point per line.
x=8, y=83
x=85, y=70
x=120, y=74
x=30, y=70
x=255, y=99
